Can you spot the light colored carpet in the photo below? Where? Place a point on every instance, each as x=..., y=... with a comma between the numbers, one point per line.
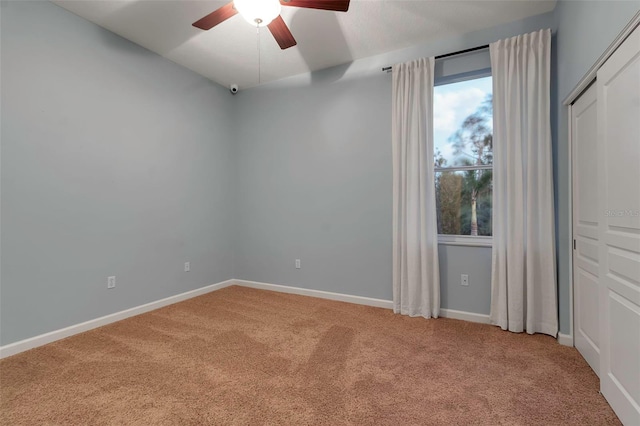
x=245, y=356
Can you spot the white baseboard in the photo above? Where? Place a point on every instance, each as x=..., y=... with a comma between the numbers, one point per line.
x=43, y=339
x=565, y=339
x=359, y=300
x=466, y=316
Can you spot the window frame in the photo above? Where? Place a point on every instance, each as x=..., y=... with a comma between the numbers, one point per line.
x=465, y=240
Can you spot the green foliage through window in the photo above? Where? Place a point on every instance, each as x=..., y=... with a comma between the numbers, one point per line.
x=464, y=159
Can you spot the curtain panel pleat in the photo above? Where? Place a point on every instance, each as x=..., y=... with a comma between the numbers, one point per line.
x=416, y=277
x=523, y=282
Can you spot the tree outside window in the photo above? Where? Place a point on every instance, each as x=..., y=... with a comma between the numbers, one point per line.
x=463, y=133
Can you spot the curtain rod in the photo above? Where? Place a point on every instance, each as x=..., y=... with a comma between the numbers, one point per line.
x=459, y=52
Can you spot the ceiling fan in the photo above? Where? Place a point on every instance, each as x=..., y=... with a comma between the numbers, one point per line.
x=267, y=13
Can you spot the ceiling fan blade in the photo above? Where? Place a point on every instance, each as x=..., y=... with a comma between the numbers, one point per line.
x=281, y=33
x=337, y=5
x=216, y=17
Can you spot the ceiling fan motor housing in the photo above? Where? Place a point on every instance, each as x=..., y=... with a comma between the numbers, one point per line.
x=258, y=12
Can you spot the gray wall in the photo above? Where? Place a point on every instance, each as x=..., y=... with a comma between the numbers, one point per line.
x=585, y=30
x=473, y=261
x=115, y=161
x=314, y=177
x=314, y=183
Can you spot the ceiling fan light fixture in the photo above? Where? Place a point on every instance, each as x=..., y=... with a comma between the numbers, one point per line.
x=258, y=12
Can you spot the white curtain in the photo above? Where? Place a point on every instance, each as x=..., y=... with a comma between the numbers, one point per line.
x=523, y=282
x=416, y=278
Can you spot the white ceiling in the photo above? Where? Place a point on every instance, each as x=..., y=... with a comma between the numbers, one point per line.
x=228, y=53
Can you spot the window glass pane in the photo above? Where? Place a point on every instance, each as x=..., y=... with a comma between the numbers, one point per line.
x=463, y=123
x=463, y=200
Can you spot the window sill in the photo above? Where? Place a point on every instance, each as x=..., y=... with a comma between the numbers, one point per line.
x=463, y=240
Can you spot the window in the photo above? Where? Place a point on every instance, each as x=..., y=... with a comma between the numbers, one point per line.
x=463, y=141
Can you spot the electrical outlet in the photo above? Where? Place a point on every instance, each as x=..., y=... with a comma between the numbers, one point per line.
x=297, y=263
x=111, y=282
x=187, y=266
x=464, y=279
